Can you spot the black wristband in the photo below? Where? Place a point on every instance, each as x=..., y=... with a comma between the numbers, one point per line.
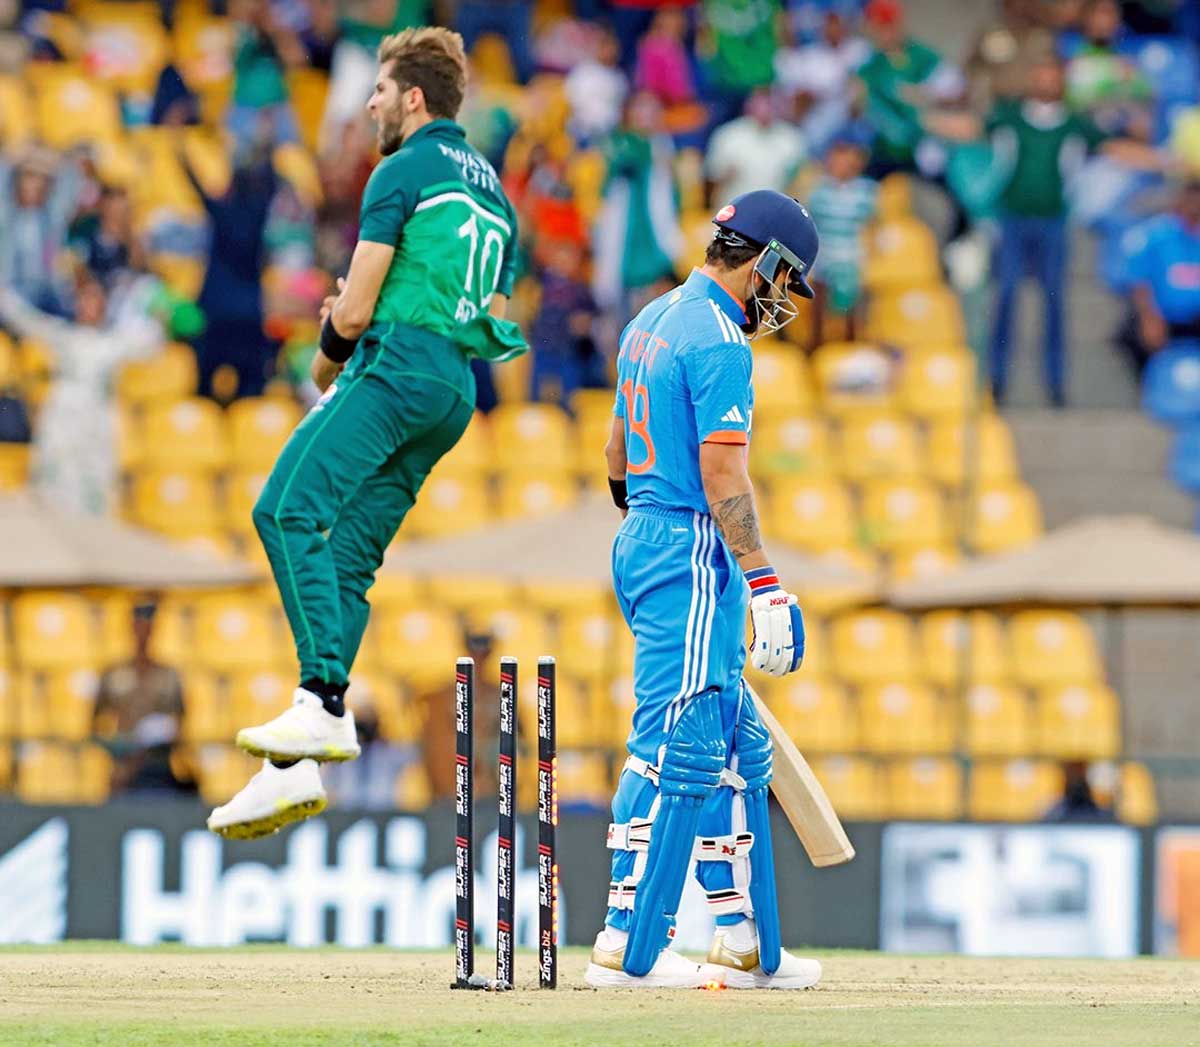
x=333, y=345
x=620, y=493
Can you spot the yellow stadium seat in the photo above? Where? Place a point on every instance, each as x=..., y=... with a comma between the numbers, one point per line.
x=588, y=639
x=171, y=641
x=448, y=503
x=790, y=445
x=473, y=453
x=14, y=466
x=854, y=376
x=235, y=632
x=938, y=383
x=926, y=787
x=73, y=108
x=187, y=434
x=853, y=784
x=877, y=446
x=993, y=458
x=1004, y=515
x=955, y=647
x=781, y=380
x=584, y=713
x=168, y=375
x=222, y=771
x=413, y=790
x=902, y=253
x=895, y=197
x=998, y=721
x=69, y=696
x=830, y=597
x=182, y=274
x=592, y=430
x=51, y=772
x=816, y=712
x=258, y=429
x=525, y=495
x=901, y=514
x=873, y=646
x=125, y=46
x=8, y=704
x=393, y=589
x=30, y=713
x=531, y=436
x=1013, y=790
x=203, y=48
x=7, y=759
x=417, y=645
x=307, y=89
x=918, y=318
x=1137, y=802
x=583, y=779
x=586, y=175
x=16, y=125
x=401, y=720
x=1052, y=647
x=205, y=714
x=813, y=514
x=566, y=596
x=53, y=630
x=258, y=695
x=921, y=563
x=521, y=633
x=904, y=718
x=1078, y=722
x=177, y=504
x=242, y=488
x=483, y=594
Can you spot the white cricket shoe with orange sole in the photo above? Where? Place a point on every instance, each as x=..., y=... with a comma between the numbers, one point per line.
x=304, y=730
x=670, y=970
x=735, y=952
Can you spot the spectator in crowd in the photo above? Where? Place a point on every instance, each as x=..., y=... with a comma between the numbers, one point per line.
x=564, y=353
x=368, y=783
x=38, y=198
x=842, y=202
x=231, y=295
x=1102, y=82
x=139, y=714
x=737, y=49
x=511, y=19
x=901, y=80
x=1039, y=141
x=597, y=88
x=175, y=104
x=759, y=150
x=1004, y=51
x=1165, y=268
x=75, y=454
x=1078, y=804
x=637, y=235
x=263, y=51
x=319, y=35
x=104, y=240
x=816, y=77
x=664, y=63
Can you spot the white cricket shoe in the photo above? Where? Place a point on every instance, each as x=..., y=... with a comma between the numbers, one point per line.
x=670, y=970
x=735, y=952
x=273, y=798
x=303, y=729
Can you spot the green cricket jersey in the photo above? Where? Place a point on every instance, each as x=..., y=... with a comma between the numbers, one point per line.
x=440, y=204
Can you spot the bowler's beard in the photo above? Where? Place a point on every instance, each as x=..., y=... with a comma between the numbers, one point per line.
x=390, y=134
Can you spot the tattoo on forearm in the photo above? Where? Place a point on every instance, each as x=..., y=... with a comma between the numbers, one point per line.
x=737, y=520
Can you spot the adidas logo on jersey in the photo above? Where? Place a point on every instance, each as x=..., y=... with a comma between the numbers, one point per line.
x=733, y=415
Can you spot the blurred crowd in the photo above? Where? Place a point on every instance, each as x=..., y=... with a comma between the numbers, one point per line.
x=191, y=171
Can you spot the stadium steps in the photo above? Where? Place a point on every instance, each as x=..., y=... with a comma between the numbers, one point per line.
x=1084, y=463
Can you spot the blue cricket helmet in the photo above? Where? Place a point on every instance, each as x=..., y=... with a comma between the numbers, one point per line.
x=777, y=223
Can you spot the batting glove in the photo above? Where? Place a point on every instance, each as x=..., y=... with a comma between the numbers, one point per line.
x=778, y=624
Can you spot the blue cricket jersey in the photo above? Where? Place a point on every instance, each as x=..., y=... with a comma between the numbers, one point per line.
x=683, y=378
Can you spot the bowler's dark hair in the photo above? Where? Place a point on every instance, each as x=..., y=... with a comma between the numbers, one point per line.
x=431, y=58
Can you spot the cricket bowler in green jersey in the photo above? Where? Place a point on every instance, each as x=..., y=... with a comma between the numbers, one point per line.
x=427, y=289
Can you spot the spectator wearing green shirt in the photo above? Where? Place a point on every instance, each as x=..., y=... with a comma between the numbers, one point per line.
x=263, y=51
x=737, y=51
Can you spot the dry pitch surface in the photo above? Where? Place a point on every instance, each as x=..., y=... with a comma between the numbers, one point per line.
x=105, y=996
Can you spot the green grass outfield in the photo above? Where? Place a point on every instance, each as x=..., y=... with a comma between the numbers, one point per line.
x=103, y=995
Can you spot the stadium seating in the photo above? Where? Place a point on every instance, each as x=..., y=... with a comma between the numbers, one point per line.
x=185, y=434
x=926, y=787
x=904, y=718
x=917, y=318
x=1052, y=647
x=901, y=514
x=790, y=445
x=999, y=721
x=813, y=514
x=854, y=785
x=53, y=630
x=956, y=647
x=258, y=428
x=1003, y=515
x=1013, y=790
x=1077, y=721
x=816, y=712
x=874, y=646
x=901, y=253
x=937, y=383
x=878, y=446
x=992, y=457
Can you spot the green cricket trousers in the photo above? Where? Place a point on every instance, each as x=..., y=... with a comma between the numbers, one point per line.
x=348, y=476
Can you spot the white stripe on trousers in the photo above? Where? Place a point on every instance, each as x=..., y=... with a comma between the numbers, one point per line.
x=701, y=611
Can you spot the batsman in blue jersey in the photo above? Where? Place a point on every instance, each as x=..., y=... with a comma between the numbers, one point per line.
x=688, y=563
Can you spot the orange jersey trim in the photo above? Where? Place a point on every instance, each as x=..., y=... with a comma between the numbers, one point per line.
x=727, y=289
x=727, y=436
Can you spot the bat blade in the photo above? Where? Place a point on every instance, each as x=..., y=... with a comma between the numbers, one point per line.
x=803, y=799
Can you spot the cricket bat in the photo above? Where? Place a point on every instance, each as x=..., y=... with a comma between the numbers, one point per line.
x=802, y=798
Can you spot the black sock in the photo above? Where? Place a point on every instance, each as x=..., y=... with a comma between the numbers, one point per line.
x=283, y=765
x=332, y=695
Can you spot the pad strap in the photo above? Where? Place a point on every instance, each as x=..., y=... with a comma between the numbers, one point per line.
x=635, y=836
x=648, y=771
x=727, y=902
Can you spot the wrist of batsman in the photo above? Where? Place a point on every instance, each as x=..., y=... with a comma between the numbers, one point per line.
x=762, y=580
x=333, y=345
x=620, y=493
